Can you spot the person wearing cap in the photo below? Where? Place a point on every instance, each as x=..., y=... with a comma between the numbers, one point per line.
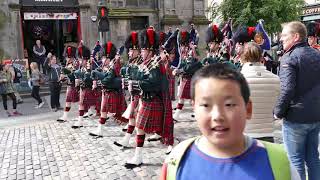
x=151, y=112
x=188, y=66
x=68, y=75
x=242, y=36
x=169, y=58
x=313, y=29
x=130, y=73
x=87, y=98
x=113, y=101
x=214, y=37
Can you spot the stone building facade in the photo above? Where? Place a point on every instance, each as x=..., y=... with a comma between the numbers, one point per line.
x=124, y=15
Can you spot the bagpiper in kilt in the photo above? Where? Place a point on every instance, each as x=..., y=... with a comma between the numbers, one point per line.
x=87, y=96
x=188, y=66
x=129, y=73
x=214, y=37
x=241, y=37
x=151, y=110
x=170, y=57
x=113, y=100
x=67, y=75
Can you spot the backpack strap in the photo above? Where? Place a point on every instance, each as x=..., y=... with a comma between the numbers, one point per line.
x=174, y=158
x=279, y=161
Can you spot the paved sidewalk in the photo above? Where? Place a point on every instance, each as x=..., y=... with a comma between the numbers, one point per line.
x=46, y=149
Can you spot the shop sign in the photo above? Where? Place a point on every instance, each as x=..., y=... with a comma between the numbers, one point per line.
x=311, y=11
x=48, y=16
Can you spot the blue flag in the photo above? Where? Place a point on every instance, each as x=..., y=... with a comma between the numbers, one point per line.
x=262, y=37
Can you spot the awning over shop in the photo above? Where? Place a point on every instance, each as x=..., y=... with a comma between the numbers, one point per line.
x=311, y=18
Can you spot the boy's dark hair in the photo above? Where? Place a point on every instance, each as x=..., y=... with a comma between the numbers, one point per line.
x=223, y=72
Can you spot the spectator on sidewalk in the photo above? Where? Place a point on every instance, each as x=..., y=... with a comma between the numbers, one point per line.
x=54, y=71
x=46, y=61
x=39, y=52
x=16, y=76
x=222, y=105
x=7, y=89
x=265, y=88
x=35, y=79
x=299, y=101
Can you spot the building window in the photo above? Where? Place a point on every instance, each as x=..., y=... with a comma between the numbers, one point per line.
x=147, y=3
x=139, y=22
x=131, y=2
x=169, y=4
x=117, y=3
x=120, y=4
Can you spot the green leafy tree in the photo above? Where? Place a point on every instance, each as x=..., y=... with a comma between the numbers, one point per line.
x=273, y=12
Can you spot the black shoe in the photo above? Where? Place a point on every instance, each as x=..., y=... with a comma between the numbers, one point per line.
x=61, y=120
x=124, y=129
x=117, y=144
x=95, y=135
x=153, y=139
x=76, y=127
x=131, y=166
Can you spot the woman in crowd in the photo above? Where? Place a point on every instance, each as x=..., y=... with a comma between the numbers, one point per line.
x=264, y=88
x=7, y=89
x=35, y=78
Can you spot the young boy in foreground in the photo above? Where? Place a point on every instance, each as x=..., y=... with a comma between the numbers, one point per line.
x=222, y=106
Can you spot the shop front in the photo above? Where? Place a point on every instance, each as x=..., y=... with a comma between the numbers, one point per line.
x=54, y=22
x=311, y=13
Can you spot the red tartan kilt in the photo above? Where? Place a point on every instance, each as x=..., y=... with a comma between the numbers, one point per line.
x=110, y=102
x=131, y=111
x=72, y=94
x=150, y=115
x=184, y=88
x=172, y=88
x=167, y=131
x=97, y=94
x=87, y=98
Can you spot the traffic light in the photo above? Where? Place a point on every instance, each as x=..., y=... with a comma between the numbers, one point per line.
x=103, y=12
x=103, y=19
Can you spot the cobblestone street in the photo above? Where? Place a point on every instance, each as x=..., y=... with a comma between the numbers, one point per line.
x=47, y=149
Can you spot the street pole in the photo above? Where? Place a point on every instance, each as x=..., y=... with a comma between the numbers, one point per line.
x=102, y=35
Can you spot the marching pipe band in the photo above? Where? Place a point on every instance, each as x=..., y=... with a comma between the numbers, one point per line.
x=149, y=78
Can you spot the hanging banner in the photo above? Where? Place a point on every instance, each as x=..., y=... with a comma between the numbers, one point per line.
x=48, y=16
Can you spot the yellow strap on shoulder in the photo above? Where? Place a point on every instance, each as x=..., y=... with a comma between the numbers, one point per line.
x=279, y=161
x=173, y=160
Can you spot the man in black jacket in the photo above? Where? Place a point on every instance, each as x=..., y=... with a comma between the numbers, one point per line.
x=54, y=71
x=299, y=100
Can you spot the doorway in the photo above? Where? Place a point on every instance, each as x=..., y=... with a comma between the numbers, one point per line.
x=52, y=33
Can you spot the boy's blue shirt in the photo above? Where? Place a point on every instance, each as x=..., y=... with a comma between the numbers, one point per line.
x=251, y=165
